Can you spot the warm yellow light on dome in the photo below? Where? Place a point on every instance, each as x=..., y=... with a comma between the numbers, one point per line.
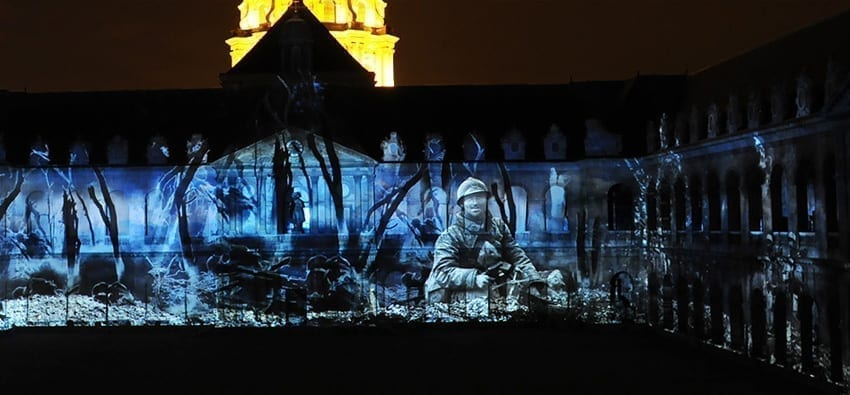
x=363, y=34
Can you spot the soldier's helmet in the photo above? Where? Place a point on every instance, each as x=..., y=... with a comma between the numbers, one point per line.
x=468, y=187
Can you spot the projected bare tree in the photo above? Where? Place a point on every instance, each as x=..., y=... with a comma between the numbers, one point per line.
x=109, y=215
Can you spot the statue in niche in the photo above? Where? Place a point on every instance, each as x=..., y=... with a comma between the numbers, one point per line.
x=803, y=99
x=733, y=114
x=195, y=149
x=39, y=153
x=117, y=151
x=158, y=152
x=393, y=148
x=777, y=103
x=556, y=213
x=753, y=109
x=694, y=124
x=513, y=145
x=79, y=154
x=555, y=144
x=832, y=80
x=435, y=151
x=680, y=130
x=663, y=131
x=712, y=123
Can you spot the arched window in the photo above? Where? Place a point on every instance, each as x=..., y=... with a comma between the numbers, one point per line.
x=651, y=213
x=804, y=181
x=620, y=208
x=680, y=204
x=696, y=203
x=830, y=200
x=778, y=201
x=733, y=201
x=755, y=207
x=664, y=207
x=712, y=187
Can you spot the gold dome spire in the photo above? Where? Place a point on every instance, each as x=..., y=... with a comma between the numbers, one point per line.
x=357, y=24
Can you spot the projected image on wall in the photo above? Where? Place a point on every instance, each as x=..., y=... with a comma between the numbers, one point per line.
x=295, y=228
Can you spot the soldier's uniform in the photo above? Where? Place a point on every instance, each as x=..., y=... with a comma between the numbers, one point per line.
x=457, y=249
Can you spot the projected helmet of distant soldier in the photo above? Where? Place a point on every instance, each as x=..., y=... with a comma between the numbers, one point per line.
x=472, y=195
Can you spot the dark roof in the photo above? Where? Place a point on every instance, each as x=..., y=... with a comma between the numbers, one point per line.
x=779, y=61
x=60, y=119
x=359, y=118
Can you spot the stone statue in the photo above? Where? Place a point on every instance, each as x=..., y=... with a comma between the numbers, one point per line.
x=393, y=148
x=694, y=124
x=712, y=123
x=803, y=99
x=733, y=114
x=663, y=131
x=832, y=80
x=753, y=109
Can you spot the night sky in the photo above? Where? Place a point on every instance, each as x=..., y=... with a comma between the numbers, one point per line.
x=63, y=45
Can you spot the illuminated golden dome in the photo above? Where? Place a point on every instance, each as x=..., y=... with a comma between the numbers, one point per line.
x=357, y=24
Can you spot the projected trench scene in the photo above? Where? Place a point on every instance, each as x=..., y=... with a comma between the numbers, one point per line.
x=297, y=230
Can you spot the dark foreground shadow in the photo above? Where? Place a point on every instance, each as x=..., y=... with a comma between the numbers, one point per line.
x=423, y=358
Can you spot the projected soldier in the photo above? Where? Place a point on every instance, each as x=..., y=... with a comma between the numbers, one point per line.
x=478, y=252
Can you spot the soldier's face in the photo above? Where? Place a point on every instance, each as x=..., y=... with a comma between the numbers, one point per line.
x=474, y=205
